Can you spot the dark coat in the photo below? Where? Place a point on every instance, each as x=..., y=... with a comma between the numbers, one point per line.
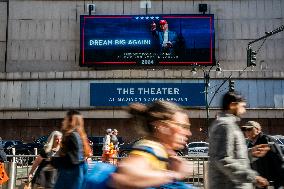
x=269, y=166
x=2, y=153
x=172, y=38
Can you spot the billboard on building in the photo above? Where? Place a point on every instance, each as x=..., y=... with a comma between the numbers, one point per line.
x=152, y=40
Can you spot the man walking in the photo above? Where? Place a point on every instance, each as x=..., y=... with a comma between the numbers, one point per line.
x=229, y=166
x=270, y=165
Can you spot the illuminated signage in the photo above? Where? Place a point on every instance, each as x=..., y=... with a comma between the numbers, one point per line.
x=158, y=40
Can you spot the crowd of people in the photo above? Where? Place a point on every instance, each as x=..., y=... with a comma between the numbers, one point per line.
x=234, y=162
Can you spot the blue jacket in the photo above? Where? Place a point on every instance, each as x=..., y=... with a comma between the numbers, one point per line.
x=172, y=37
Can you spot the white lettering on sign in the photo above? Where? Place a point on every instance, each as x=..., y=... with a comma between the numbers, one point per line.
x=118, y=42
x=100, y=42
x=157, y=91
x=125, y=91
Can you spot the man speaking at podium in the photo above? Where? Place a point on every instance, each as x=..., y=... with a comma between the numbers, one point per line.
x=167, y=39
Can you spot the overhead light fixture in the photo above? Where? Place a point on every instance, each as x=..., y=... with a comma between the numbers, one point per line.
x=91, y=8
x=203, y=8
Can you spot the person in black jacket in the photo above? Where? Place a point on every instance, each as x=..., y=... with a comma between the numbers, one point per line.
x=270, y=165
x=38, y=173
x=74, y=151
x=3, y=156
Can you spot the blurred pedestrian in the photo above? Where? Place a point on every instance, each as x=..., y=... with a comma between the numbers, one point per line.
x=270, y=164
x=3, y=175
x=114, y=139
x=152, y=162
x=3, y=156
x=229, y=165
x=75, y=149
x=115, y=143
x=39, y=179
x=107, y=139
x=107, y=147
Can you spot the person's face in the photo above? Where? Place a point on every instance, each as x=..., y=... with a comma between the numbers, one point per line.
x=57, y=140
x=251, y=133
x=238, y=108
x=164, y=27
x=175, y=132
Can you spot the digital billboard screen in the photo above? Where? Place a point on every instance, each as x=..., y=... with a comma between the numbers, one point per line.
x=147, y=40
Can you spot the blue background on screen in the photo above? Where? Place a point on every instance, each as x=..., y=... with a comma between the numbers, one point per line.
x=102, y=34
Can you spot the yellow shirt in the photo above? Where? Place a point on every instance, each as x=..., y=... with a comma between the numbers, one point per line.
x=153, y=151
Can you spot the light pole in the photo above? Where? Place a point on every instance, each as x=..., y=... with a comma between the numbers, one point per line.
x=207, y=84
x=206, y=89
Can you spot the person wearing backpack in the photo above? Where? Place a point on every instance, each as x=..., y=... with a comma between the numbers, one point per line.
x=43, y=177
x=153, y=162
x=270, y=166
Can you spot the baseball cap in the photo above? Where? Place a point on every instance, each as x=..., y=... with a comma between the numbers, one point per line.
x=251, y=124
x=163, y=22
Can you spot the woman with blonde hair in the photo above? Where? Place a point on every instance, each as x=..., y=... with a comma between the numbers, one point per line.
x=49, y=150
x=75, y=149
x=153, y=161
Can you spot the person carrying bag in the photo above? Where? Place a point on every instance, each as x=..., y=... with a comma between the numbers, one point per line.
x=45, y=174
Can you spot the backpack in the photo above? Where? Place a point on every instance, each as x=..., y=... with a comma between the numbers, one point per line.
x=99, y=175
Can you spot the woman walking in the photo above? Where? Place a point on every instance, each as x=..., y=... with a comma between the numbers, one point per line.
x=40, y=164
x=75, y=150
x=152, y=162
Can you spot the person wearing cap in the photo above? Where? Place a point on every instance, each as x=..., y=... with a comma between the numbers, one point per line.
x=252, y=131
x=229, y=164
x=167, y=38
x=269, y=164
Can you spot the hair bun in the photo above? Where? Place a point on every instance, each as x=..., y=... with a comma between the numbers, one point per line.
x=137, y=109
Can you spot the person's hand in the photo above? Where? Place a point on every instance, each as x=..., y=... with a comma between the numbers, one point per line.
x=30, y=177
x=169, y=44
x=261, y=182
x=153, y=26
x=260, y=150
x=180, y=165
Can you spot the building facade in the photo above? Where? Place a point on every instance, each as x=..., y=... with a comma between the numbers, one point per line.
x=41, y=78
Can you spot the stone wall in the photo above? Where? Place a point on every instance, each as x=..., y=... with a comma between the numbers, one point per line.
x=45, y=35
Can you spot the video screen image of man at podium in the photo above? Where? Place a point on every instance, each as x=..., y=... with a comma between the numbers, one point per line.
x=167, y=38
